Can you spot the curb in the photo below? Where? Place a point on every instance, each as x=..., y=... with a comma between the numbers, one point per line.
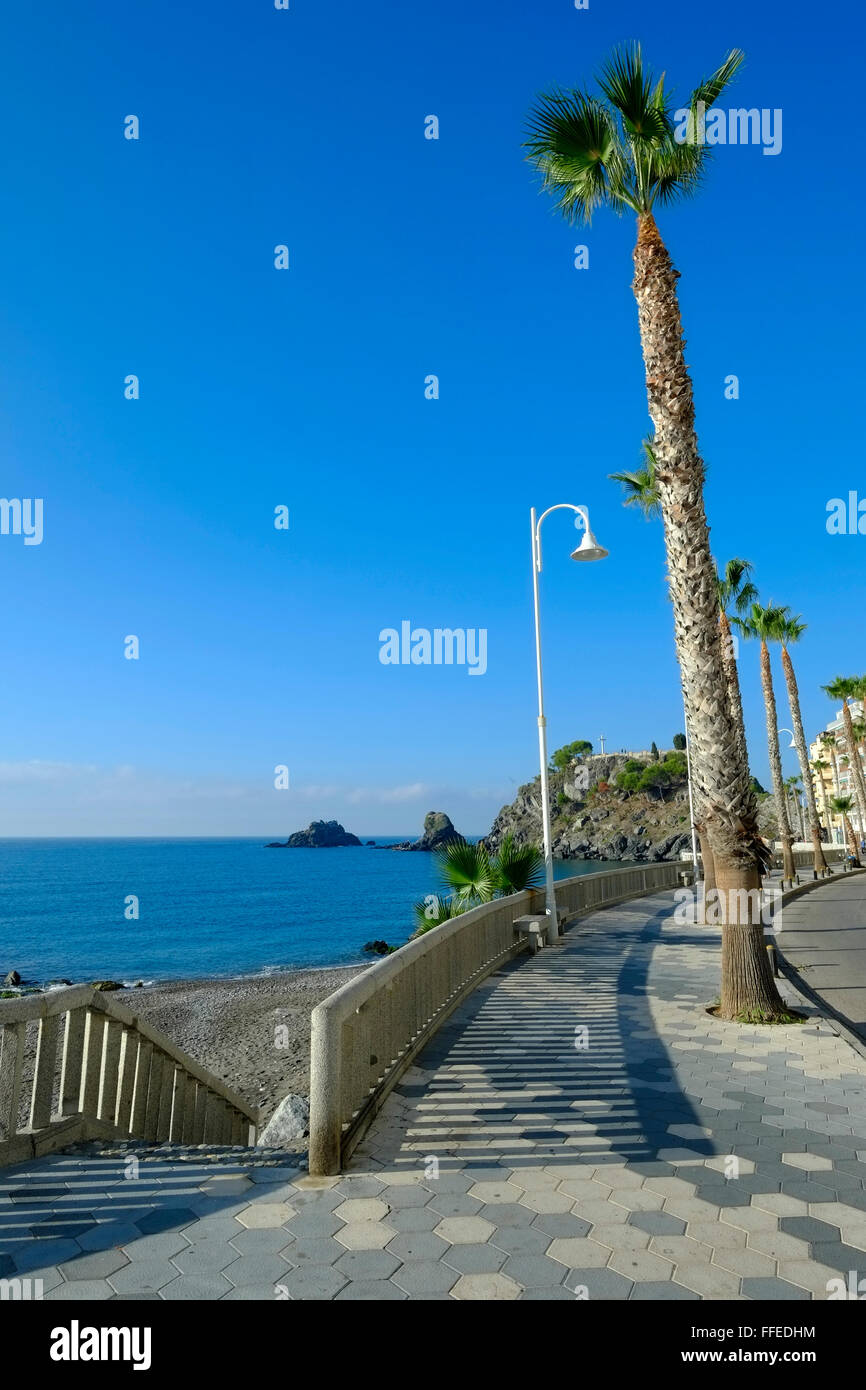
x=842, y=1026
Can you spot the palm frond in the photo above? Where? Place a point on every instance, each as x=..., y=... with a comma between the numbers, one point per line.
x=518, y=867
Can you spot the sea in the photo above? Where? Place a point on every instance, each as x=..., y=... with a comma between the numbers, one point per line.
x=152, y=909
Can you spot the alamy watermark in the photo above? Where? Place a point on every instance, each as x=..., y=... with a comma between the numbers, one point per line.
x=22, y=516
x=739, y=126
x=846, y=516
x=441, y=646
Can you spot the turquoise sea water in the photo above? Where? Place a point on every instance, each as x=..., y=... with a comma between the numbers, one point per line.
x=207, y=907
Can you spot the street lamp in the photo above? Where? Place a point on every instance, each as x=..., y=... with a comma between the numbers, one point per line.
x=589, y=549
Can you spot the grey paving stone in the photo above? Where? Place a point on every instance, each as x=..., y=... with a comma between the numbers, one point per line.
x=195, y=1288
x=560, y=1225
x=418, y=1245
x=322, y=1250
x=413, y=1219
x=658, y=1223
x=265, y=1240
x=143, y=1276
x=475, y=1259
x=313, y=1281
x=809, y=1228
x=95, y=1266
x=38, y=1254
x=366, y=1265
x=164, y=1219
x=773, y=1290
x=599, y=1283
x=84, y=1290
x=373, y=1291
x=655, y=1291
x=406, y=1195
x=255, y=1269
x=421, y=1277
x=534, y=1271
x=311, y=1222
x=455, y=1204
x=520, y=1240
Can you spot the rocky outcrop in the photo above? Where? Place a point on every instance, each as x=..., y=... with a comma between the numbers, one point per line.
x=438, y=830
x=591, y=818
x=319, y=834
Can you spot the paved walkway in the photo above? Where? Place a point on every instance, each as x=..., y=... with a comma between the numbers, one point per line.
x=824, y=938
x=581, y=1127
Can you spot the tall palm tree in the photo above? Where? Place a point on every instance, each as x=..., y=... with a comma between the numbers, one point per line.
x=820, y=768
x=843, y=806
x=735, y=592
x=763, y=624
x=618, y=149
x=641, y=490
x=791, y=629
x=847, y=688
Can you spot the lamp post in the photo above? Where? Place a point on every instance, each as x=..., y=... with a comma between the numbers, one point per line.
x=589, y=549
x=691, y=797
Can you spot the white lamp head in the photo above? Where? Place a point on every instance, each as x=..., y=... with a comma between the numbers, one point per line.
x=589, y=548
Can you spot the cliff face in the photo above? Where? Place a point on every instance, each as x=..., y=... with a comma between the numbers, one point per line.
x=592, y=819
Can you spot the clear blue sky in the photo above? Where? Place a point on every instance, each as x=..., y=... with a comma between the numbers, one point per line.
x=306, y=387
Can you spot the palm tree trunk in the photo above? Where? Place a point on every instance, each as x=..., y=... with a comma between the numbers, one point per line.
x=820, y=863
x=858, y=784
x=709, y=880
x=848, y=831
x=735, y=699
x=788, y=870
x=728, y=807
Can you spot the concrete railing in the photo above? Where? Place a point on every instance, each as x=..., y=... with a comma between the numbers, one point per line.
x=367, y=1033
x=101, y=1072
x=804, y=856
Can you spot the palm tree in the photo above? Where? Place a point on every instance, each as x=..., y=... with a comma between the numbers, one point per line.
x=847, y=688
x=640, y=487
x=791, y=629
x=794, y=786
x=735, y=591
x=843, y=806
x=764, y=624
x=619, y=149
x=474, y=877
x=820, y=768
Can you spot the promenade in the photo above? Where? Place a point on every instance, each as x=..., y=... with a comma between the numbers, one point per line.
x=581, y=1127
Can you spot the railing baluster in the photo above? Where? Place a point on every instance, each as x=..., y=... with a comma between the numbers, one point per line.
x=94, y=1032
x=143, y=1058
x=44, y=1071
x=108, y=1069
x=178, y=1105
x=12, y=1066
x=126, y=1079
x=154, y=1089
x=71, y=1062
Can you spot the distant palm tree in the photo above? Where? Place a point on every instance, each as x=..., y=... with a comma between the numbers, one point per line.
x=736, y=592
x=640, y=488
x=791, y=629
x=843, y=806
x=819, y=768
x=764, y=624
x=847, y=688
x=619, y=149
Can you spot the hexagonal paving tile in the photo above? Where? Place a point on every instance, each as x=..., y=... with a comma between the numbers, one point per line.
x=485, y=1288
x=421, y=1277
x=361, y=1209
x=464, y=1230
x=365, y=1235
x=260, y=1215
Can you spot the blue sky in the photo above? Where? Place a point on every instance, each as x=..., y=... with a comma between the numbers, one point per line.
x=305, y=388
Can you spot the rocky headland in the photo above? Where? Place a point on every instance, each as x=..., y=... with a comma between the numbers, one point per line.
x=605, y=806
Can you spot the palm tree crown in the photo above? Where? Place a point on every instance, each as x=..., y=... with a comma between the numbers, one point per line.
x=620, y=150
x=735, y=588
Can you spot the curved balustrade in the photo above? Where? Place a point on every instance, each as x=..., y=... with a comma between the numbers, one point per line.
x=367, y=1033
